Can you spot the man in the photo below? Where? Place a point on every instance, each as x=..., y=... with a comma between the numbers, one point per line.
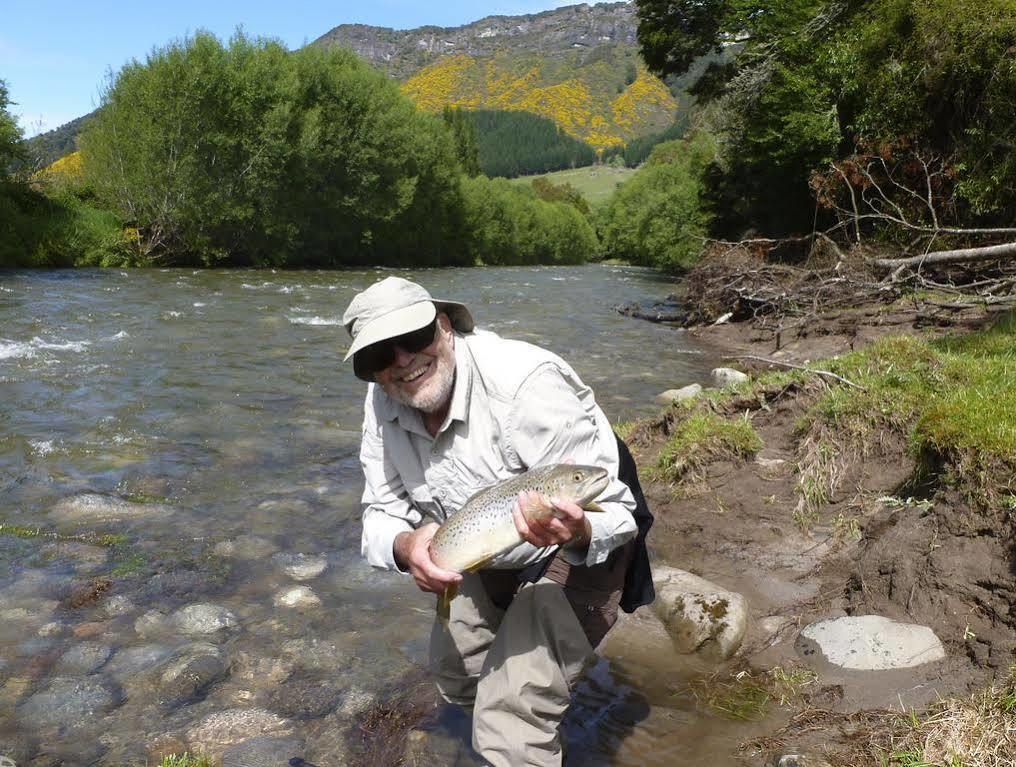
x=451, y=410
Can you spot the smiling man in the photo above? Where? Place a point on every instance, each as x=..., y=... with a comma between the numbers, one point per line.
x=450, y=410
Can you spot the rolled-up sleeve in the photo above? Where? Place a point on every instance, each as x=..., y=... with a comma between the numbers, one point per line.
x=386, y=509
x=554, y=419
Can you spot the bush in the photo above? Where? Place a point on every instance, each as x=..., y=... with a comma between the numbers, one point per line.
x=247, y=154
x=656, y=218
x=509, y=224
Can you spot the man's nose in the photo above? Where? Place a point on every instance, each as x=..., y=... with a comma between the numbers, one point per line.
x=402, y=357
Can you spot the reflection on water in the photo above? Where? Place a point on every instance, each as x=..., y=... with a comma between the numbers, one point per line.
x=206, y=420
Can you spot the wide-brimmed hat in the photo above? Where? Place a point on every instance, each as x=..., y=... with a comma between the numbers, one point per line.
x=394, y=306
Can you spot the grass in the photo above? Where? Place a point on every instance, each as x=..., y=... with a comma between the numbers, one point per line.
x=701, y=437
x=185, y=760
x=596, y=182
x=746, y=695
x=952, y=400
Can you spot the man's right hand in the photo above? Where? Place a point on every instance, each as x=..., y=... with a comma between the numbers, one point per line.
x=412, y=552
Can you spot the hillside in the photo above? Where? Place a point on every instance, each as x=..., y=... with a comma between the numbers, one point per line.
x=578, y=66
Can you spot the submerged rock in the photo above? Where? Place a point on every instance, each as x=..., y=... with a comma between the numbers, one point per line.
x=870, y=643
x=298, y=596
x=701, y=617
x=301, y=567
x=203, y=618
x=305, y=699
x=66, y=701
x=98, y=508
x=83, y=658
x=217, y=732
x=246, y=547
x=263, y=752
x=190, y=672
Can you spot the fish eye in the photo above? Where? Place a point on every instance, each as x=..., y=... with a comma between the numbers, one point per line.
x=577, y=476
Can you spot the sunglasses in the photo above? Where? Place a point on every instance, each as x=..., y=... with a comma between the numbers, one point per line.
x=376, y=357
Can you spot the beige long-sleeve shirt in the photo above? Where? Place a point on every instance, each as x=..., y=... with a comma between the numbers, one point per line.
x=514, y=406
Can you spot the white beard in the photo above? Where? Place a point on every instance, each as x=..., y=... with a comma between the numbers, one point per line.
x=435, y=394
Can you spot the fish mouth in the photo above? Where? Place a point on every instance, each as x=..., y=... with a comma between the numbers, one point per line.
x=595, y=484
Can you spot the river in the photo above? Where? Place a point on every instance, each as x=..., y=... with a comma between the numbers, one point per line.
x=207, y=420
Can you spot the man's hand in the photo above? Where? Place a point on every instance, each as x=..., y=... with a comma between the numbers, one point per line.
x=566, y=526
x=412, y=552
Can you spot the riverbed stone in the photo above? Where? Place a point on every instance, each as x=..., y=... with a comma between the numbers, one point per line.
x=99, y=508
x=128, y=661
x=86, y=558
x=217, y=732
x=724, y=377
x=298, y=596
x=870, y=643
x=190, y=672
x=246, y=546
x=151, y=624
x=83, y=658
x=701, y=617
x=263, y=751
x=305, y=698
x=685, y=393
x=300, y=567
x=313, y=653
x=203, y=618
x=119, y=604
x=67, y=701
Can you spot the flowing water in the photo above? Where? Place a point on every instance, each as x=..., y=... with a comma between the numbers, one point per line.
x=207, y=421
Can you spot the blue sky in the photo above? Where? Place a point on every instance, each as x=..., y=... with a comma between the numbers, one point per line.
x=54, y=55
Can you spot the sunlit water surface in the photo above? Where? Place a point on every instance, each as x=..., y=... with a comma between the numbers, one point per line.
x=221, y=398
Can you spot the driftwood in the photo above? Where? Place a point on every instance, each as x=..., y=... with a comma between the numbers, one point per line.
x=815, y=371
x=961, y=255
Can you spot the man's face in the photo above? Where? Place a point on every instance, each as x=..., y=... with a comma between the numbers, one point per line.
x=423, y=379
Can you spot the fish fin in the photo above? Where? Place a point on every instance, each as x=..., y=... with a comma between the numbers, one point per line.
x=535, y=508
x=444, y=602
x=479, y=564
x=592, y=506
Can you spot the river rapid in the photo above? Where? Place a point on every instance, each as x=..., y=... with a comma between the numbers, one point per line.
x=179, y=452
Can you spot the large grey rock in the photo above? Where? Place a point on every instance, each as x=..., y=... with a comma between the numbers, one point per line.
x=724, y=377
x=132, y=660
x=98, y=508
x=670, y=396
x=66, y=701
x=701, y=617
x=301, y=567
x=217, y=732
x=190, y=672
x=203, y=619
x=870, y=643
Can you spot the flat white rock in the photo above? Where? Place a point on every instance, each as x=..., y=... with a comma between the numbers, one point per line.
x=870, y=643
x=298, y=596
x=678, y=395
x=301, y=567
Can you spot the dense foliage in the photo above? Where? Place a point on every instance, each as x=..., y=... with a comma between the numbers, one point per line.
x=510, y=224
x=513, y=144
x=813, y=79
x=657, y=217
x=248, y=154
x=637, y=151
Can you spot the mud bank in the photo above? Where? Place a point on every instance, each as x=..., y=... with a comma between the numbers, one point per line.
x=817, y=525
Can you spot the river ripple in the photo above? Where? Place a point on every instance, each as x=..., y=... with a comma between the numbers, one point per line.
x=217, y=404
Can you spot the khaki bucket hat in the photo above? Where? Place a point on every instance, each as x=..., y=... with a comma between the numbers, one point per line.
x=394, y=306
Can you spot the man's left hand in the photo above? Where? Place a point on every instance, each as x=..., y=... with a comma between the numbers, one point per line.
x=567, y=524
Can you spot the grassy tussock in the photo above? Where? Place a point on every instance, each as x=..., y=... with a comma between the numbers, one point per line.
x=185, y=760
x=702, y=437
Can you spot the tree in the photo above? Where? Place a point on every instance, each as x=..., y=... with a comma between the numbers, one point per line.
x=10, y=133
x=464, y=133
x=248, y=154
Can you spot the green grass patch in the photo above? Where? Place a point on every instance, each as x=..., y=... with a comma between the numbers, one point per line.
x=702, y=437
x=185, y=760
x=747, y=695
x=952, y=400
x=596, y=183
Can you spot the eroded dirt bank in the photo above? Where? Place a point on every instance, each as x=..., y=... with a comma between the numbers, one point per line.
x=825, y=520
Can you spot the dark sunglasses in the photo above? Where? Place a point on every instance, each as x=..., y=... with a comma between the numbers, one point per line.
x=377, y=357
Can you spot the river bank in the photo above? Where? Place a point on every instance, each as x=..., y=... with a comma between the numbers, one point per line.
x=875, y=487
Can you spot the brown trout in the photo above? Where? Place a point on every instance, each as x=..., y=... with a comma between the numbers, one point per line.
x=483, y=528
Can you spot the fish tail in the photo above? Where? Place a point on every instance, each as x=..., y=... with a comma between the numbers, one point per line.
x=444, y=602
